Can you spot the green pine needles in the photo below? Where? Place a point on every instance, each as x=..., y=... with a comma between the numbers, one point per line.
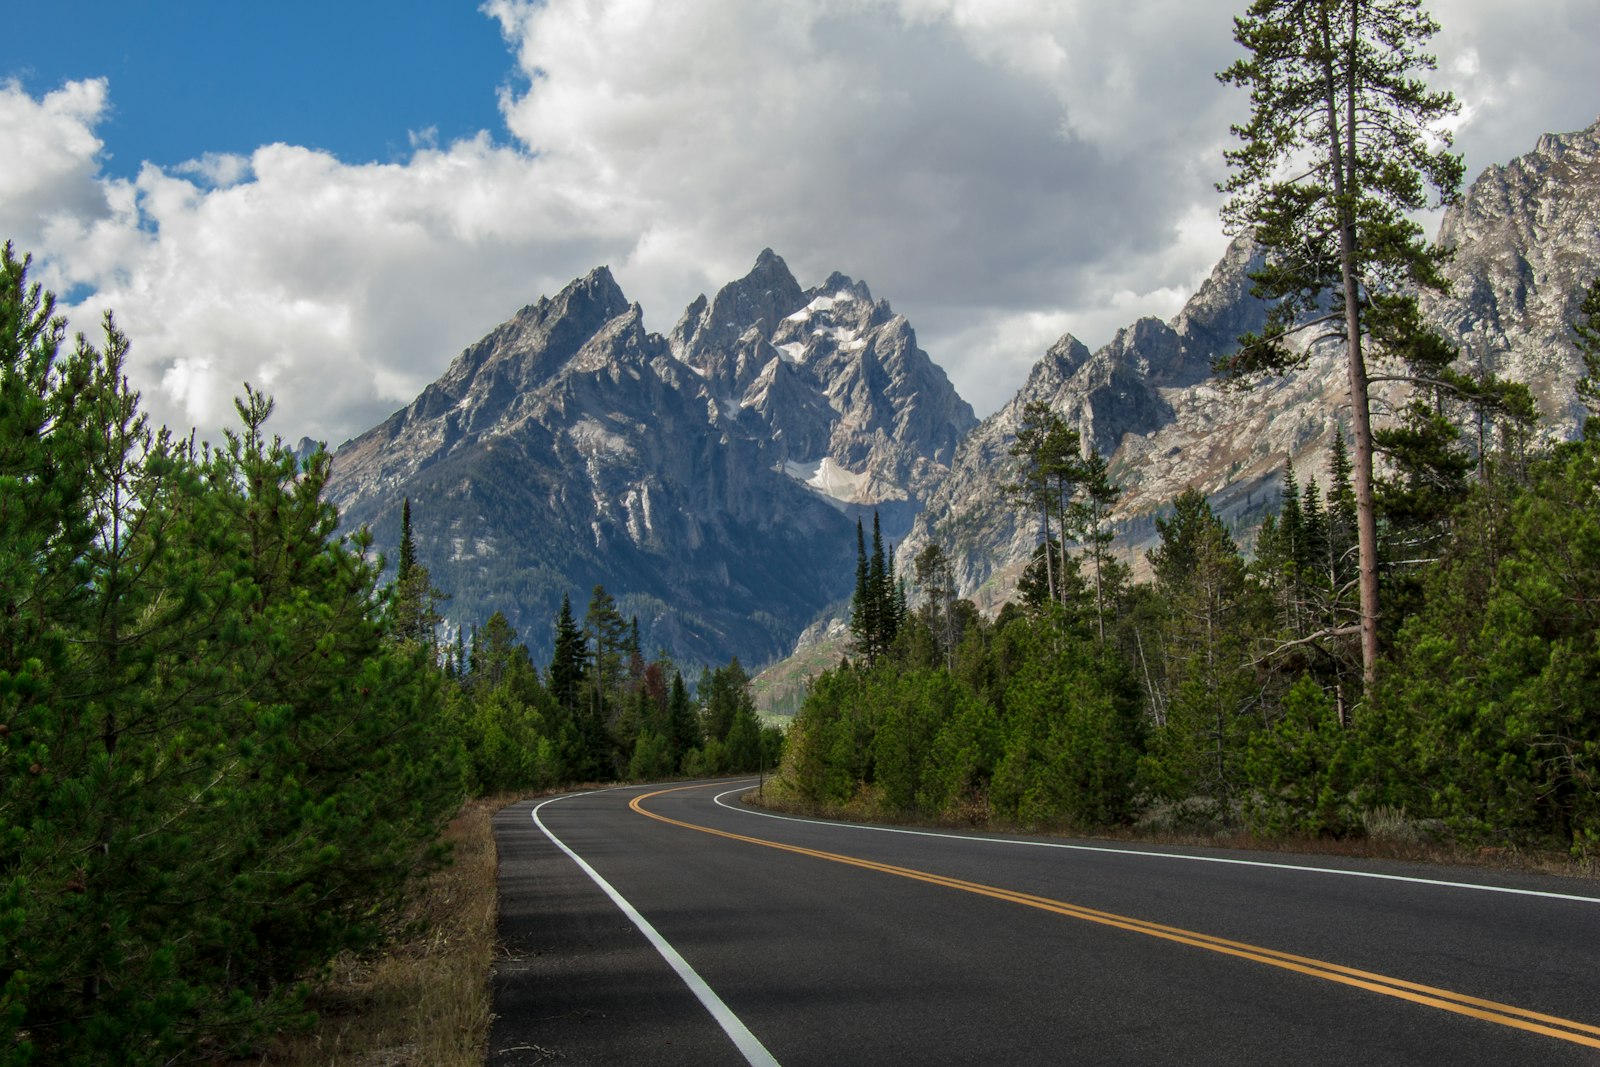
x=216, y=771
x=878, y=606
x=1344, y=142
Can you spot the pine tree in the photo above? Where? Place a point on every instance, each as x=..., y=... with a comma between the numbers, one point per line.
x=408, y=547
x=1586, y=331
x=1337, y=155
x=684, y=727
x=1049, y=468
x=1204, y=587
x=725, y=693
x=1291, y=519
x=878, y=605
x=1341, y=516
x=413, y=597
x=1314, y=526
x=634, y=653
x=1089, y=520
x=567, y=660
x=897, y=601
x=862, y=623
x=607, y=634
x=936, y=576
x=497, y=649
x=879, y=596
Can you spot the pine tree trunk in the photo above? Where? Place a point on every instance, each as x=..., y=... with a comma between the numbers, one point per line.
x=1366, y=519
x=1342, y=163
x=1049, y=564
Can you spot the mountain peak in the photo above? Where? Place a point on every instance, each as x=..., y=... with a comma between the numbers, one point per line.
x=770, y=277
x=598, y=290
x=762, y=297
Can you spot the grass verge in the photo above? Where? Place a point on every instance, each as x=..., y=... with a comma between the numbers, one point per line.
x=423, y=1000
x=1388, y=835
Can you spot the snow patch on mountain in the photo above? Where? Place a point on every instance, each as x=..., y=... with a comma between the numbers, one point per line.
x=828, y=478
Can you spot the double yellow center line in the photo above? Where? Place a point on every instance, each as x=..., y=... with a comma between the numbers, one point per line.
x=1430, y=996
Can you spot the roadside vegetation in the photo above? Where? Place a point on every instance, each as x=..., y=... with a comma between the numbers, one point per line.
x=217, y=770
x=423, y=999
x=1226, y=696
x=229, y=748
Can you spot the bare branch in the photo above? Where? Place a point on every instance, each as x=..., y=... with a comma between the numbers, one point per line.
x=1320, y=635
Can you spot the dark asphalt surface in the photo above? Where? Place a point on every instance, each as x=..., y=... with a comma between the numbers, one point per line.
x=829, y=963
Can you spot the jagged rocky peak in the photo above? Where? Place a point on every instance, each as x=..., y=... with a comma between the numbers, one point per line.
x=562, y=323
x=1526, y=242
x=1219, y=313
x=541, y=336
x=503, y=379
x=758, y=301
x=796, y=415
x=621, y=340
x=570, y=446
x=830, y=380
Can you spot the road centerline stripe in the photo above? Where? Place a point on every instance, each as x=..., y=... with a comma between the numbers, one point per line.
x=1415, y=992
x=749, y=1046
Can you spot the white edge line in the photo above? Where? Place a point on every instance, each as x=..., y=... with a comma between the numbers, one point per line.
x=754, y=1052
x=1157, y=855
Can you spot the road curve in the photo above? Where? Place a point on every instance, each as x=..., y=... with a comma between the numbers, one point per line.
x=673, y=925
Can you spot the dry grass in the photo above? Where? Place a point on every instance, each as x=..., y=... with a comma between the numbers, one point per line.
x=1388, y=834
x=424, y=1001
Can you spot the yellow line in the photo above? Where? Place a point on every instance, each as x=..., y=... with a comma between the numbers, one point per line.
x=1444, y=999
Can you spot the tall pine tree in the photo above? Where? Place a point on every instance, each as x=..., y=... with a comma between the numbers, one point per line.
x=1342, y=147
x=567, y=660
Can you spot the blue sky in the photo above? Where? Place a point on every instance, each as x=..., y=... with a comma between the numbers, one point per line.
x=340, y=196
x=354, y=77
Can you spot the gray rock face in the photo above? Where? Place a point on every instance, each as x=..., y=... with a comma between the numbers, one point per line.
x=709, y=480
x=1527, y=244
x=833, y=385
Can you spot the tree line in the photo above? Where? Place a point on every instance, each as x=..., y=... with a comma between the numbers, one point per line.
x=227, y=745
x=600, y=711
x=1230, y=692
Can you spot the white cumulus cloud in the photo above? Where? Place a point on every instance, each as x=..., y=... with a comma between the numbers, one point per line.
x=49, y=160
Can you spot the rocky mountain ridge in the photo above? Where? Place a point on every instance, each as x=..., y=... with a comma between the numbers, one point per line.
x=832, y=381
x=1527, y=243
x=710, y=477
x=1526, y=238
x=709, y=480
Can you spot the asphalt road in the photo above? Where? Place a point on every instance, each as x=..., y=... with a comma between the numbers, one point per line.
x=818, y=943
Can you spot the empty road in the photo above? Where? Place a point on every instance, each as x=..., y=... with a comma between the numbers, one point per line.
x=673, y=925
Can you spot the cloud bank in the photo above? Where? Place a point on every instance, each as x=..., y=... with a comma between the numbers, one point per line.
x=1001, y=170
